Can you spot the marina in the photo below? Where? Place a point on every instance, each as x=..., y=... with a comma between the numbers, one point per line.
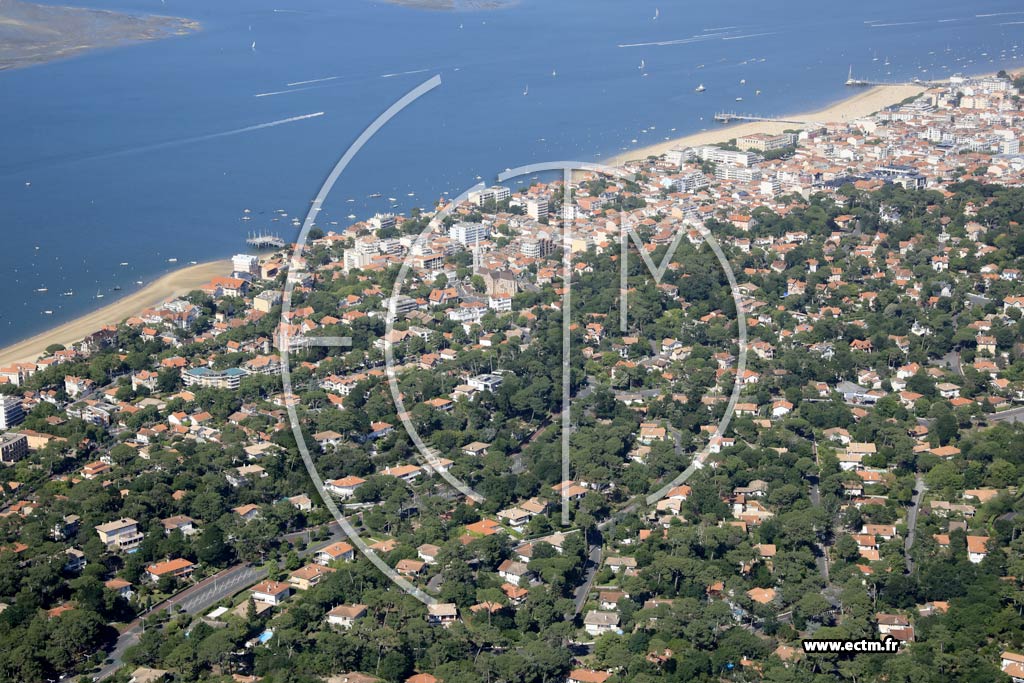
x=264, y=241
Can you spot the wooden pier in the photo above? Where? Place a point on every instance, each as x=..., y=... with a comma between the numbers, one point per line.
x=264, y=240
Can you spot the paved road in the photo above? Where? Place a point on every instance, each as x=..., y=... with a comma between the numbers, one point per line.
x=952, y=361
x=193, y=600
x=200, y=597
x=1011, y=415
x=919, y=489
x=821, y=559
x=580, y=595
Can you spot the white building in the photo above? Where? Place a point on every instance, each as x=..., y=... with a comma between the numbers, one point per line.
x=121, y=534
x=537, y=208
x=597, y=622
x=469, y=233
x=11, y=412
x=495, y=193
x=346, y=615
x=245, y=264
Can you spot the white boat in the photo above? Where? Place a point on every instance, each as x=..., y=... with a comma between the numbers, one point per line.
x=392, y=199
x=757, y=92
x=351, y=216
x=553, y=73
x=124, y=263
x=48, y=312
x=138, y=282
x=172, y=260
x=254, y=46
x=739, y=99
x=526, y=91
x=700, y=88
x=643, y=65
x=68, y=293
x=42, y=289
x=99, y=295
x=743, y=81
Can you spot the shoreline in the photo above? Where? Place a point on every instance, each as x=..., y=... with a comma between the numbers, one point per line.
x=174, y=283
x=33, y=34
x=864, y=103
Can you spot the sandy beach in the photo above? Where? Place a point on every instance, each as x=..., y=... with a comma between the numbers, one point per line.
x=176, y=283
x=866, y=101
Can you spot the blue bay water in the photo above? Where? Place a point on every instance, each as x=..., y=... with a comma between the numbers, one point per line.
x=118, y=155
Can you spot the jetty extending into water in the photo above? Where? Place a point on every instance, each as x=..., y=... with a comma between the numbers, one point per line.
x=264, y=241
x=729, y=117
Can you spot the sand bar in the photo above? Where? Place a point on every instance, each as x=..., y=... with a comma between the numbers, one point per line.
x=865, y=102
x=32, y=33
x=179, y=282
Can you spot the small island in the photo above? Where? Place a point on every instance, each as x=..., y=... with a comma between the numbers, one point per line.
x=34, y=34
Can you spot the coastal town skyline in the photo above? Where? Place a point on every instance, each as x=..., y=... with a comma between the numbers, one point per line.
x=718, y=401
x=148, y=157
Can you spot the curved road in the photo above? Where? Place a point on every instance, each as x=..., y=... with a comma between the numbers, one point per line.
x=193, y=600
x=198, y=598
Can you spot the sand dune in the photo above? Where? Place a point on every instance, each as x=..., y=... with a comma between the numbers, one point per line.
x=865, y=102
x=179, y=282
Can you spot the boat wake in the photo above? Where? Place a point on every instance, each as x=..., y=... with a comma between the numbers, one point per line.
x=313, y=80
x=272, y=93
x=749, y=35
x=680, y=41
x=190, y=140
x=406, y=73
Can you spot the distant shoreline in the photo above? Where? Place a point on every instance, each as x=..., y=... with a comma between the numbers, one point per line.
x=864, y=103
x=33, y=34
x=172, y=284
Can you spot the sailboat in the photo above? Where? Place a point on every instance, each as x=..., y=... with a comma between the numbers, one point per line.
x=254, y=46
x=553, y=73
x=657, y=13
x=700, y=88
x=526, y=91
x=643, y=65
